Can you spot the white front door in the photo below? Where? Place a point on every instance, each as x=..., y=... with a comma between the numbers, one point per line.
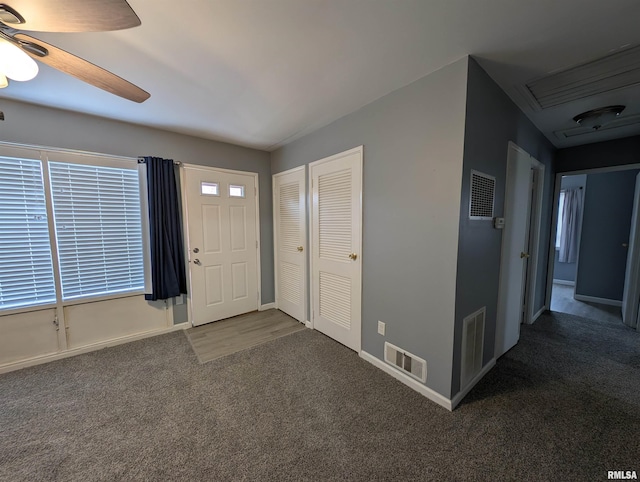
x=336, y=186
x=289, y=210
x=517, y=204
x=631, y=293
x=222, y=242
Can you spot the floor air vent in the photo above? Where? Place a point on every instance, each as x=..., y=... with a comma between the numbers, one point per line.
x=405, y=361
x=472, y=346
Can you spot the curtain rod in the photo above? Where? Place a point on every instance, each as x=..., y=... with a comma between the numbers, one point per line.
x=175, y=163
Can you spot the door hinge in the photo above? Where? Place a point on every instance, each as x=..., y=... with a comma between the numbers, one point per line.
x=56, y=322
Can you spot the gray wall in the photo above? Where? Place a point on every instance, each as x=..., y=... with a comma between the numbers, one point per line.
x=567, y=271
x=42, y=126
x=606, y=222
x=413, y=142
x=492, y=121
x=618, y=152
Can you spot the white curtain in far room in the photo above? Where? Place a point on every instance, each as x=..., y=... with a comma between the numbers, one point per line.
x=571, y=210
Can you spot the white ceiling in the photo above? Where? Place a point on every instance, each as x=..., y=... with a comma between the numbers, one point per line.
x=261, y=73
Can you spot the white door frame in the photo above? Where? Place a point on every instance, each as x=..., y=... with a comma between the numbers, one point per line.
x=554, y=218
x=305, y=242
x=632, y=269
x=185, y=226
x=534, y=242
x=359, y=149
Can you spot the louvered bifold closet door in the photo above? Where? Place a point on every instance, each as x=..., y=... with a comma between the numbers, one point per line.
x=26, y=269
x=290, y=243
x=336, y=185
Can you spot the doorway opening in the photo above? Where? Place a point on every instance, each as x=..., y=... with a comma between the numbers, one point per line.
x=588, y=263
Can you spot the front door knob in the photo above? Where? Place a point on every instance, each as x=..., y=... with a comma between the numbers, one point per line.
x=353, y=256
x=197, y=261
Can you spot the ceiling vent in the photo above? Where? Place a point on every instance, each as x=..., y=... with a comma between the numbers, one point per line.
x=616, y=71
x=627, y=121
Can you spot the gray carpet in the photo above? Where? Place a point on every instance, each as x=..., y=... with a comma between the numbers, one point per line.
x=562, y=405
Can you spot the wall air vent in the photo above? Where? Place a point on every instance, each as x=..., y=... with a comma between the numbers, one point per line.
x=406, y=362
x=483, y=189
x=472, y=346
x=626, y=121
x=615, y=71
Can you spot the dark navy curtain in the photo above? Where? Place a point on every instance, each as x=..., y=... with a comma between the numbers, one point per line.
x=165, y=230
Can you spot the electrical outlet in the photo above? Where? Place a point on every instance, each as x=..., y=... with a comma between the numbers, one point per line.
x=381, y=328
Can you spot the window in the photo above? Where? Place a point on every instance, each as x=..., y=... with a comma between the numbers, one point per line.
x=236, y=191
x=209, y=189
x=26, y=269
x=560, y=214
x=97, y=228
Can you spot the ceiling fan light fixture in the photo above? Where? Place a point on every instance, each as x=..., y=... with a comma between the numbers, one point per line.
x=16, y=64
x=596, y=118
x=4, y=82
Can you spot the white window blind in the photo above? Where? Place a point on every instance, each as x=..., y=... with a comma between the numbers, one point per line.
x=26, y=270
x=98, y=229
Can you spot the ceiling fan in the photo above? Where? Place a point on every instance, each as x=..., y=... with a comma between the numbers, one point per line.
x=64, y=16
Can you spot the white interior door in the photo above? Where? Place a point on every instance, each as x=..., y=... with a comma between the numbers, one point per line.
x=290, y=242
x=222, y=242
x=336, y=186
x=631, y=293
x=514, y=254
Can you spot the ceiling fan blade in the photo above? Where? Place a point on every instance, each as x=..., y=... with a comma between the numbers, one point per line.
x=68, y=15
x=81, y=69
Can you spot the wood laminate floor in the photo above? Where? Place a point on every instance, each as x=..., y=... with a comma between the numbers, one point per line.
x=224, y=337
x=562, y=300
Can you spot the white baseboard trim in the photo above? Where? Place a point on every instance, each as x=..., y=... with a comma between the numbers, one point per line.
x=309, y=324
x=38, y=360
x=537, y=315
x=268, y=306
x=594, y=299
x=408, y=381
x=463, y=393
x=563, y=282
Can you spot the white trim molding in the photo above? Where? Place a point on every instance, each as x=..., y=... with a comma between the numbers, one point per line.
x=538, y=313
x=563, y=282
x=39, y=360
x=463, y=393
x=594, y=299
x=267, y=306
x=408, y=381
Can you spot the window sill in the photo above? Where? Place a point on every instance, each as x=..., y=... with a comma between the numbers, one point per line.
x=78, y=301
